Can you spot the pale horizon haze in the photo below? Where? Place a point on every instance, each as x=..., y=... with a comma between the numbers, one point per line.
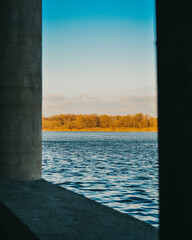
x=99, y=57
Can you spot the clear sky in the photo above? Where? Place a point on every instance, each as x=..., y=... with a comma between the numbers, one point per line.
x=99, y=57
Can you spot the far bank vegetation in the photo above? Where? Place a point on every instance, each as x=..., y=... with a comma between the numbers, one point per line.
x=93, y=122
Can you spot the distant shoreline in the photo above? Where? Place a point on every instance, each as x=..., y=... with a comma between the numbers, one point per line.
x=100, y=123
x=102, y=130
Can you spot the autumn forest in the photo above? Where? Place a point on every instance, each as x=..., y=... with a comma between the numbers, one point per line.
x=94, y=122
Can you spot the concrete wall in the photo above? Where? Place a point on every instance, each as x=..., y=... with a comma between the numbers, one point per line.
x=174, y=58
x=20, y=89
x=20, y=104
x=50, y=212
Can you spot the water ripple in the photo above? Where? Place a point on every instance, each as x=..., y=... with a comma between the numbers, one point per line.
x=119, y=170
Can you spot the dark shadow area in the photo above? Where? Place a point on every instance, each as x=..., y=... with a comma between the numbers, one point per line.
x=11, y=227
x=174, y=61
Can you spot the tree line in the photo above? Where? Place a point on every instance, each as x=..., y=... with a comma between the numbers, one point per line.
x=94, y=122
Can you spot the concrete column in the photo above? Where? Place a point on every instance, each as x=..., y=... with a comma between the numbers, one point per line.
x=174, y=62
x=20, y=89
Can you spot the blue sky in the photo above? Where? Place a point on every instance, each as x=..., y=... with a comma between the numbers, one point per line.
x=99, y=57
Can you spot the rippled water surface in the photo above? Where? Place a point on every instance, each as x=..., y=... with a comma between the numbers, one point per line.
x=118, y=169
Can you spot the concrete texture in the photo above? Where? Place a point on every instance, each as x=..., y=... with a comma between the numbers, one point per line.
x=20, y=89
x=174, y=63
x=41, y=210
x=34, y=210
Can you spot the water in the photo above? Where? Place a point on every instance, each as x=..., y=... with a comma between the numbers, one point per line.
x=118, y=169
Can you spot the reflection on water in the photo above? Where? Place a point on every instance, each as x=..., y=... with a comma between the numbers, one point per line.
x=118, y=169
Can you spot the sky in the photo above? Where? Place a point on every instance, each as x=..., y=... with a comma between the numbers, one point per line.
x=99, y=57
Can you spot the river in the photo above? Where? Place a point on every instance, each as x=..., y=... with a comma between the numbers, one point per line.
x=117, y=169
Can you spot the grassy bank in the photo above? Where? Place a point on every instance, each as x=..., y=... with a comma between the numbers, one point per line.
x=104, y=130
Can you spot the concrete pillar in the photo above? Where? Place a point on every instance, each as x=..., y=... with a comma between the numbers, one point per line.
x=20, y=89
x=174, y=63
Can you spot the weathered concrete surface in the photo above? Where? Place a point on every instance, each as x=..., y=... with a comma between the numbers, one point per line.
x=20, y=89
x=174, y=63
x=54, y=213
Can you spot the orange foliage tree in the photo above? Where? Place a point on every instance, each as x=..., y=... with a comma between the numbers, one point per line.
x=66, y=122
